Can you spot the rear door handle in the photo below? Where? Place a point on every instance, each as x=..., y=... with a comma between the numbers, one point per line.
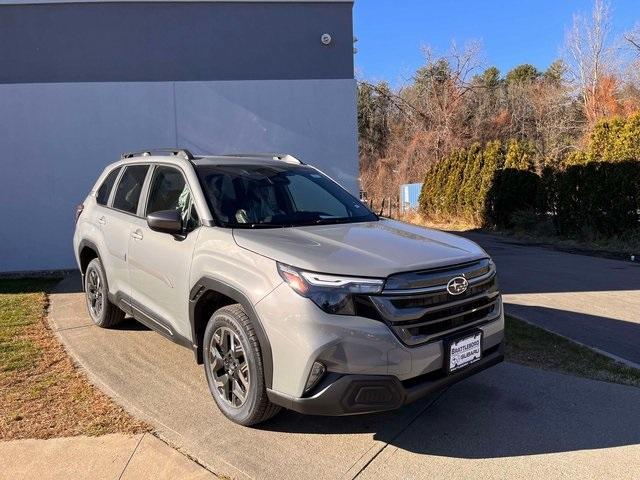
x=102, y=220
x=137, y=235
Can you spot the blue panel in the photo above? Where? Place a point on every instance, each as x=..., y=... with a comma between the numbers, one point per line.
x=409, y=195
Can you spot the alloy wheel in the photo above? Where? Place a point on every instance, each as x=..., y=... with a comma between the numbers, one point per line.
x=95, y=294
x=229, y=366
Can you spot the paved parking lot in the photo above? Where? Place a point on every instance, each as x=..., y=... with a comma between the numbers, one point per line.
x=590, y=299
x=508, y=422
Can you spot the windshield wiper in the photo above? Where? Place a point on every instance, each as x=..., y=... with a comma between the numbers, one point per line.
x=320, y=221
x=332, y=220
x=268, y=225
x=247, y=226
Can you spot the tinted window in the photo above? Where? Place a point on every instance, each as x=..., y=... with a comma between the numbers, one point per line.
x=273, y=196
x=104, y=191
x=129, y=188
x=169, y=191
x=311, y=197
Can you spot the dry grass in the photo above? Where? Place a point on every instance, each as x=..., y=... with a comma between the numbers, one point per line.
x=446, y=224
x=616, y=247
x=535, y=347
x=42, y=393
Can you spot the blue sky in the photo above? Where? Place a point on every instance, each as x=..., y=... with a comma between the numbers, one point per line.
x=391, y=32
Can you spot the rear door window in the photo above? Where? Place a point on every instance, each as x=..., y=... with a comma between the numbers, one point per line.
x=102, y=197
x=129, y=188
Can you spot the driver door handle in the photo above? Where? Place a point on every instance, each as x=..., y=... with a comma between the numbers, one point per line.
x=137, y=235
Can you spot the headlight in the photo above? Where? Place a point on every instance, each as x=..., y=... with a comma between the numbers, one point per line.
x=332, y=293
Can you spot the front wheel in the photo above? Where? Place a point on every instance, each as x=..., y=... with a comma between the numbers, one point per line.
x=233, y=366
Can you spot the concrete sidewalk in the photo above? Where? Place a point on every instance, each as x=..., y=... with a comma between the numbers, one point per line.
x=507, y=422
x=110, y=457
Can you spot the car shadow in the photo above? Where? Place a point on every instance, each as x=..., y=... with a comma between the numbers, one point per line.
x=72, y=283
x=130, y=324
x=509, y=410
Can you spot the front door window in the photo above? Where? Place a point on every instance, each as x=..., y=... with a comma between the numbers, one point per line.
x=169, y=191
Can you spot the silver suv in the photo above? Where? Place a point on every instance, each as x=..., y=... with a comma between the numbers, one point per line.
x=289, y=290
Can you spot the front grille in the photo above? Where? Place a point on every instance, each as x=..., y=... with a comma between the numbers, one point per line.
x=419, y=309
x=438, y=298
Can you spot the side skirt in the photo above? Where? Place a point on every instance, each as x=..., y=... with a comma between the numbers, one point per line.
x=149, y=319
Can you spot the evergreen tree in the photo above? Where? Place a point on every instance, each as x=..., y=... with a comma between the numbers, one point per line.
x=524, y=73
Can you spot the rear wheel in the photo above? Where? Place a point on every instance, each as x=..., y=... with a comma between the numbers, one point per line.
x=233, y=366
x=103, y=313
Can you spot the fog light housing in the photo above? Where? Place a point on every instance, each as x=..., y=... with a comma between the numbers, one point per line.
x=317, y=371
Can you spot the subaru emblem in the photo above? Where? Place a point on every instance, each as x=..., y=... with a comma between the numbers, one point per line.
x=457, y=285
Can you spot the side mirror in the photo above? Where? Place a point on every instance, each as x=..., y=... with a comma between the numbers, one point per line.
x=165, y=221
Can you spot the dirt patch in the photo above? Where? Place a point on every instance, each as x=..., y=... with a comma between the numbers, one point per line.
x=42, y=393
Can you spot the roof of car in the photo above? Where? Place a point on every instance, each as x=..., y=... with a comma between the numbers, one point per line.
x=245, y=160
x=180, y=156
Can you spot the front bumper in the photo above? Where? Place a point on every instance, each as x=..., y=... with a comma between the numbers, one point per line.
x=356, y=394
x=300, y=334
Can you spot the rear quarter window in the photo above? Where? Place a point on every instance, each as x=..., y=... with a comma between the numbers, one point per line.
x=102, y=197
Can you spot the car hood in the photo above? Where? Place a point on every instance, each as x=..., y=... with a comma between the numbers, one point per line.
x=371, y=249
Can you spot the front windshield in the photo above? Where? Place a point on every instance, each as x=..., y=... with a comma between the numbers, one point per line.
x=255, y=196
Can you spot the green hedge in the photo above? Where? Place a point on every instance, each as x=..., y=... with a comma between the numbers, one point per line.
x=511, y=191
x=482, y=185
x=598, y=197
x=495, y=184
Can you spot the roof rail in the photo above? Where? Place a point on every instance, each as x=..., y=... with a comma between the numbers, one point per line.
x=174, y=152
x=283, y=157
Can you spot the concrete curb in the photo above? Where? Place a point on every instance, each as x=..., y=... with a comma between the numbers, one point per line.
x=616, y=358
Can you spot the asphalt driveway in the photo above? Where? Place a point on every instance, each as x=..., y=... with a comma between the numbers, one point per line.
x=593, y=300
x=507, y=422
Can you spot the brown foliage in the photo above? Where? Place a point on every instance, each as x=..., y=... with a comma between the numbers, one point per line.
x=450, y=104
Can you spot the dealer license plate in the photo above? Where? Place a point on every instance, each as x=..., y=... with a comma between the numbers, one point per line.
x=465, y=351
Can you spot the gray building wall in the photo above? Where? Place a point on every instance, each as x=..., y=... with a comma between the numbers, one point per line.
x=161, y=41
x=63, y=122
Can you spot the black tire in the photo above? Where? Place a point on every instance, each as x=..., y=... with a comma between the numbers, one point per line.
x=256, y=407
x=108, y=315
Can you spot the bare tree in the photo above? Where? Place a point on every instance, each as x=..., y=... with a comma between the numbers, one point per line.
x=633, y=38
x=591, y=57
x=556, y=121
x=427, y=120
x=438, y=92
